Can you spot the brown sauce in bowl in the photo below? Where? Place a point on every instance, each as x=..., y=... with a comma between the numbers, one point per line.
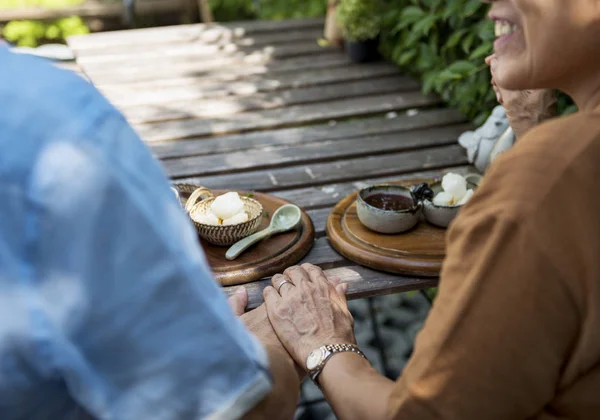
x=390, y=202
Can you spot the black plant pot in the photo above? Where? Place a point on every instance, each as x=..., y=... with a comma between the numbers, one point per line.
x=363, y=51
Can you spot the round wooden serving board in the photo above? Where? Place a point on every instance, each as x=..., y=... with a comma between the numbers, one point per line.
x=419, y=251
x=266, y=258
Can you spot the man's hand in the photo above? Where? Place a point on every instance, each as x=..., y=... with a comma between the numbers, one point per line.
x=238, y=301
x=524, y=109
x=309, y=311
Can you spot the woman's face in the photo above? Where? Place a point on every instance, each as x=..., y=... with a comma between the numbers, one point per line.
x=545, y=43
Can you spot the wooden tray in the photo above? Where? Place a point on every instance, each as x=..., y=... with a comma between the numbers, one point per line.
x=419, y=251
x=266, y=258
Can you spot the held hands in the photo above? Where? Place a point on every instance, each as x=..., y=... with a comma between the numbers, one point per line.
x=524, y=109
x=302, y=312
x=308, y=311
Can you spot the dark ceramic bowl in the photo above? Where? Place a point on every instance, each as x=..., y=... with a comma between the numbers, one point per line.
x=387, y=221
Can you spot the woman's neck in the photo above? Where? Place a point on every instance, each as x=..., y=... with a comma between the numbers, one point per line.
x=585, y=91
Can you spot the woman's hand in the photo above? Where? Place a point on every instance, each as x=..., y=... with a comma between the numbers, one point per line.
x=526, y=108
x=309, y=311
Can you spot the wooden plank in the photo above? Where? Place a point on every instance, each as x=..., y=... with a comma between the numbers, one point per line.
x=230, y=84
x=219, y=107
x=253, y=64
x=323, y=254
x=187, y=33
x=362, y=282
x=319, y=218
x=206, y=53
x=285, y=117
x=310, y=153
x=307, y=134
x=227, y=81
x=340, y=171
x=217, y=35
x=91, y=9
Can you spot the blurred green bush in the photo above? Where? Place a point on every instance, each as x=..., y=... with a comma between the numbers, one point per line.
x=360, y=20
x=228, y=10
x=287, y=9
x=444, y=43
x=28, y=33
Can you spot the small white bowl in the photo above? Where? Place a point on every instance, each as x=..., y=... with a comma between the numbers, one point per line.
x=441, y=216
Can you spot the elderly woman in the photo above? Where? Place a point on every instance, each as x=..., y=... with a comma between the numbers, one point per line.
x=514, y=332
x=519, y=111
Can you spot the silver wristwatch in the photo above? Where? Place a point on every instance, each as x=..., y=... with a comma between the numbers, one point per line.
x=316, y=360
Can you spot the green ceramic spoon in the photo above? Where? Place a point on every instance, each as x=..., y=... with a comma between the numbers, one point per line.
x=285, y=218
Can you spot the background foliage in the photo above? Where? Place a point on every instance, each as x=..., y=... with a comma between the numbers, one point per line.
x=360, y=20
x=227, y=10
x=444, y=44
x=28, y=33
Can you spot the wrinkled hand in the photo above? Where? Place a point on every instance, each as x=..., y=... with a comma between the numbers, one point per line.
x=308, y=313
x=525, y=108
x=257, y=322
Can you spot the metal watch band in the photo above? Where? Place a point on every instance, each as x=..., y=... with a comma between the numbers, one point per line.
x=334, y=349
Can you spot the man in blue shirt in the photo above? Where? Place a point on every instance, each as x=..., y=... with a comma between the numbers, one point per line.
x=108, y=308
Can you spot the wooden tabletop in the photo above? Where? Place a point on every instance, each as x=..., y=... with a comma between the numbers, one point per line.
x=261, y=106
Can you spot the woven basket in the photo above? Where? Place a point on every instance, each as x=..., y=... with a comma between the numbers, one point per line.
x=200, y=202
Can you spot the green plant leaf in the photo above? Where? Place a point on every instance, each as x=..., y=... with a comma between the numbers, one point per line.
x=429, y=82
x=424, y=26
x=482, y=51
x=467, y=42
x=472, y=6
x=406, y=57
x=485, y=30
x=455, y=38
x=462, y=67
x=412, y=13
x=447, y=75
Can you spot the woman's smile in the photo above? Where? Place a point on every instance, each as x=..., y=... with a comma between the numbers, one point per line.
x=509, y=35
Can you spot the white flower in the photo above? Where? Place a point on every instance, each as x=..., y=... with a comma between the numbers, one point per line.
x=466, y=198
x=443, y=199
x=455, y=185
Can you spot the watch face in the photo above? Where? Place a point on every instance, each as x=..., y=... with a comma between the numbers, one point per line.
x=314, y=359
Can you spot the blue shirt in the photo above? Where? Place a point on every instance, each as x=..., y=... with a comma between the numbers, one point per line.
x=107, y=306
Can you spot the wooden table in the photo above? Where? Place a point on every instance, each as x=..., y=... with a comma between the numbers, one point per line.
x=261, y=106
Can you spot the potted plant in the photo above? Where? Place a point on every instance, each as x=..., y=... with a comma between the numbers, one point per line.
x=360, y=21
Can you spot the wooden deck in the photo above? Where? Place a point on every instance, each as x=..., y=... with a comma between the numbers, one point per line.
x=260, y=106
